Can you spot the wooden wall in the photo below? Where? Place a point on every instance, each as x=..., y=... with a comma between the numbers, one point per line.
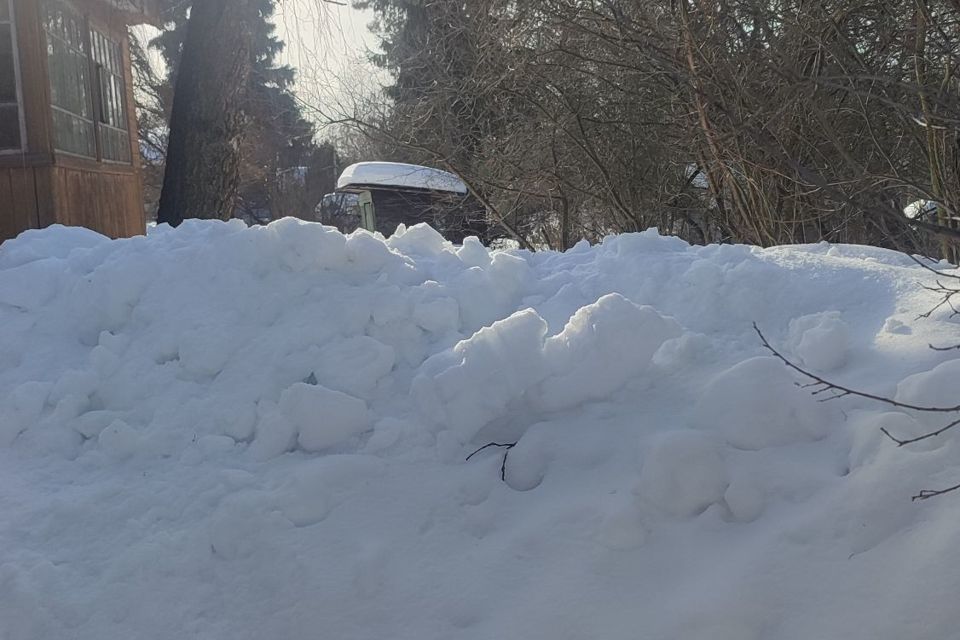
x=18, y=201
x=110, y=203
x=35, y=197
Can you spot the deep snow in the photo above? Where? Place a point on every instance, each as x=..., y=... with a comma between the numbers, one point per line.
x=223, y=432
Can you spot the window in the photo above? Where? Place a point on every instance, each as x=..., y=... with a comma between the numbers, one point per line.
x=87, y=88
x=69, y=70
x=114, y=135
x=9, y=105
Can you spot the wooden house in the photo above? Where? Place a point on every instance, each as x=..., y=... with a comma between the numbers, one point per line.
x=68, y=129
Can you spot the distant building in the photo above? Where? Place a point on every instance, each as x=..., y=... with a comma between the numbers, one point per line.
x=378, y=196
x=68, y=128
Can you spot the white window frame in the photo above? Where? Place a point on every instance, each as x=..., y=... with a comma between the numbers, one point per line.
x=19, y=86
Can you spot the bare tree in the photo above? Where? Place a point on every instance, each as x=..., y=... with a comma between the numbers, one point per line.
x=760, y=121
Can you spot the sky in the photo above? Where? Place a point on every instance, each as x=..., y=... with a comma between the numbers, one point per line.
x=328, y=44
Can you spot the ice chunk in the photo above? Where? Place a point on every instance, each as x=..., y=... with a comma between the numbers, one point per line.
x=603, y=345
x=438, y=315
x=896, y=327
x=367, y=253
x=529, y=459
x=419, y=240
x=354, y=365
x=74, y=382
x=309, y=245
x=470, y=385
x=821, y=340
x=323, y=417
x=238, y=420
x=473, y=254
x=275, y=433
x=119, y=440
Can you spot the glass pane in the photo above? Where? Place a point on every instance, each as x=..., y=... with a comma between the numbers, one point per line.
x=9, y=126
x=70, y=85
x=8, y=79
x=73, y=134
x=114, y=144
x=63, y=23
x=107, y=55
x=4, y=11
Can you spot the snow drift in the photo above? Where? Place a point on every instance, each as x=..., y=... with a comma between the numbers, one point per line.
x=225, y=432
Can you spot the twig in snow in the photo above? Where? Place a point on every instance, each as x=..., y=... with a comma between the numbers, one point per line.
x=926, y=494
x=820, y=385
x=503, y=465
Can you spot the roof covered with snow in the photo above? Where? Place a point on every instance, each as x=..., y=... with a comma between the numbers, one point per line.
x=920, y=209
x=398, y=174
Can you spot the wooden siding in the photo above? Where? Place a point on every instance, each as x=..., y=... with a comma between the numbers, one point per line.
x=109, y=203
x=36, y=197
x=18, y=202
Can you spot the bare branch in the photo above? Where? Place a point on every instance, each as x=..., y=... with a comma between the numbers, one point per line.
x=846, y=391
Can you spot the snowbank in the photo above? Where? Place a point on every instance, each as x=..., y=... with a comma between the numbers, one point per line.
x=218, y=432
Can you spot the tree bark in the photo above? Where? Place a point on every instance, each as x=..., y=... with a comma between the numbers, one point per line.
x=207, y=122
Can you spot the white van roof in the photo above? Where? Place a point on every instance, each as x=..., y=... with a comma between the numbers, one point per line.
x=398, y=174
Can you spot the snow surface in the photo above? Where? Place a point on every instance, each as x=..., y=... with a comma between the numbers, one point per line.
x=398, y=174
x=230, y=432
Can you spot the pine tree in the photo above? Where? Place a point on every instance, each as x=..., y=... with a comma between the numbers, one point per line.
x=276, y=135
x=431, y=51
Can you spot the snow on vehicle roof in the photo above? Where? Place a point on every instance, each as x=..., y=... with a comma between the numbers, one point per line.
x=919, y=209
x=398, y=174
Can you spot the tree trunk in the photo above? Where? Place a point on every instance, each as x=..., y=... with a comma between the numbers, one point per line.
x=207, y=122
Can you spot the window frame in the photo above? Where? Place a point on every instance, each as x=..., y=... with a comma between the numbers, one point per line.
x=95, y=91
x=18, y=82
x=101, y=119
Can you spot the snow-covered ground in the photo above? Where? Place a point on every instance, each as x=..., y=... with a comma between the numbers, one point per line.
x=221, y=432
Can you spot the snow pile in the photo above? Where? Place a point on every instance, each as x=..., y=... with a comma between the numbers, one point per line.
x=218, y=432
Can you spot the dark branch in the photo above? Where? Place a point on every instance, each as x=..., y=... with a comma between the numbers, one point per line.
x=820, y=385
x=503, y=465
x=950, y=348
x=840, y=390
x=926, y=494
